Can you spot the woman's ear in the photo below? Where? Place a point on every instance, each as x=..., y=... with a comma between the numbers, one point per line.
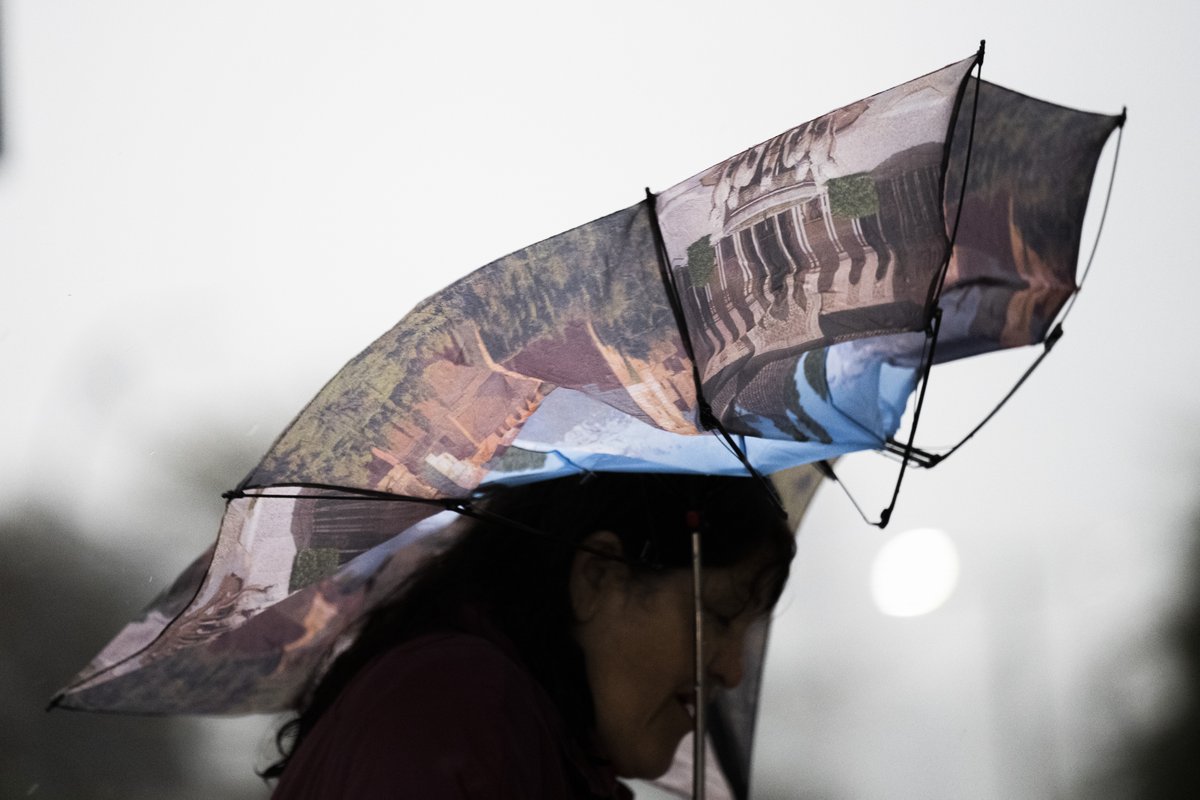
x=597, y=571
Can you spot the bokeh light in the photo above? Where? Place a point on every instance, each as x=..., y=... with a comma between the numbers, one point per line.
x=914, y=572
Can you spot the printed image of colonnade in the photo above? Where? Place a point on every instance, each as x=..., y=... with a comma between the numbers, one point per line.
x=819, y=263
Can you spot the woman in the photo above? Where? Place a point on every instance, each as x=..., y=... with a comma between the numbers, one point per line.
x=550, y=650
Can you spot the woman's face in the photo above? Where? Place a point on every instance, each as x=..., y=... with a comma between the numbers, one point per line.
x=637, y=639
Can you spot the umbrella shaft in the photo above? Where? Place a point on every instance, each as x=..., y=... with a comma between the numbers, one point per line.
x=699, y=703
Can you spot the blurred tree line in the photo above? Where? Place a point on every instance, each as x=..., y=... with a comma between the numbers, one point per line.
x=65, y=595
x=1163, y=762
x=64, y=598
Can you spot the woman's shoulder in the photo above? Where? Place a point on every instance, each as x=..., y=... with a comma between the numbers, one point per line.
x=446, y=714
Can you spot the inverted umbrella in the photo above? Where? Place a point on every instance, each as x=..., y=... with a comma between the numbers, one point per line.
x=775, y=310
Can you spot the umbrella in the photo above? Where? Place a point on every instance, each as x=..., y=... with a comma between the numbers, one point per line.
x=775, y=310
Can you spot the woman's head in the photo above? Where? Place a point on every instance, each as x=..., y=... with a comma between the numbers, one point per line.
x=630, y=592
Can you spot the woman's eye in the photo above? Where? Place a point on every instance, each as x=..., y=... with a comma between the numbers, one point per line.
x=721, y=619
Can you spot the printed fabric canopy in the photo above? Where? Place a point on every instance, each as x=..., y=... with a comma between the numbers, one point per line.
x=783, y=296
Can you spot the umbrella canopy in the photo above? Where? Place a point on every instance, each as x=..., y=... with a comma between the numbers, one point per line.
x=782, y=298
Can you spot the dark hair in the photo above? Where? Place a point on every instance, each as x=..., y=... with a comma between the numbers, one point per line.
x=514, y=561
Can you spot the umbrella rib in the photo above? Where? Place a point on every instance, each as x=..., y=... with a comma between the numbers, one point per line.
x=928, y=460
x=1112, y=179
x=935, y=320
x=460, y=505
x=708, y=420
x=962, y=192
x=668, y=279
x=337, y=493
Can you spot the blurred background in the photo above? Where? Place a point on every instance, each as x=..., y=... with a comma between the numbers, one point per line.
x=209, y=207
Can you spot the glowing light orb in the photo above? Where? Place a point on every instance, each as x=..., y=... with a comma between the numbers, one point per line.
x=914, y=573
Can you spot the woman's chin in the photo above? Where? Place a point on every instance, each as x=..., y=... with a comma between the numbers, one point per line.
x=650, y=762
x=646, y=770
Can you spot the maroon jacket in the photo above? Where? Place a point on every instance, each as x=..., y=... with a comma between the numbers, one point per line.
x=447, y=715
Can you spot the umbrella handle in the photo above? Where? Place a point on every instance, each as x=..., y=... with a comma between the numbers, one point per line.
x=699, y=702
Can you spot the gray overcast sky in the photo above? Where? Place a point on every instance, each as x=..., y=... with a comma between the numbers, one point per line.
x=209, y=207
